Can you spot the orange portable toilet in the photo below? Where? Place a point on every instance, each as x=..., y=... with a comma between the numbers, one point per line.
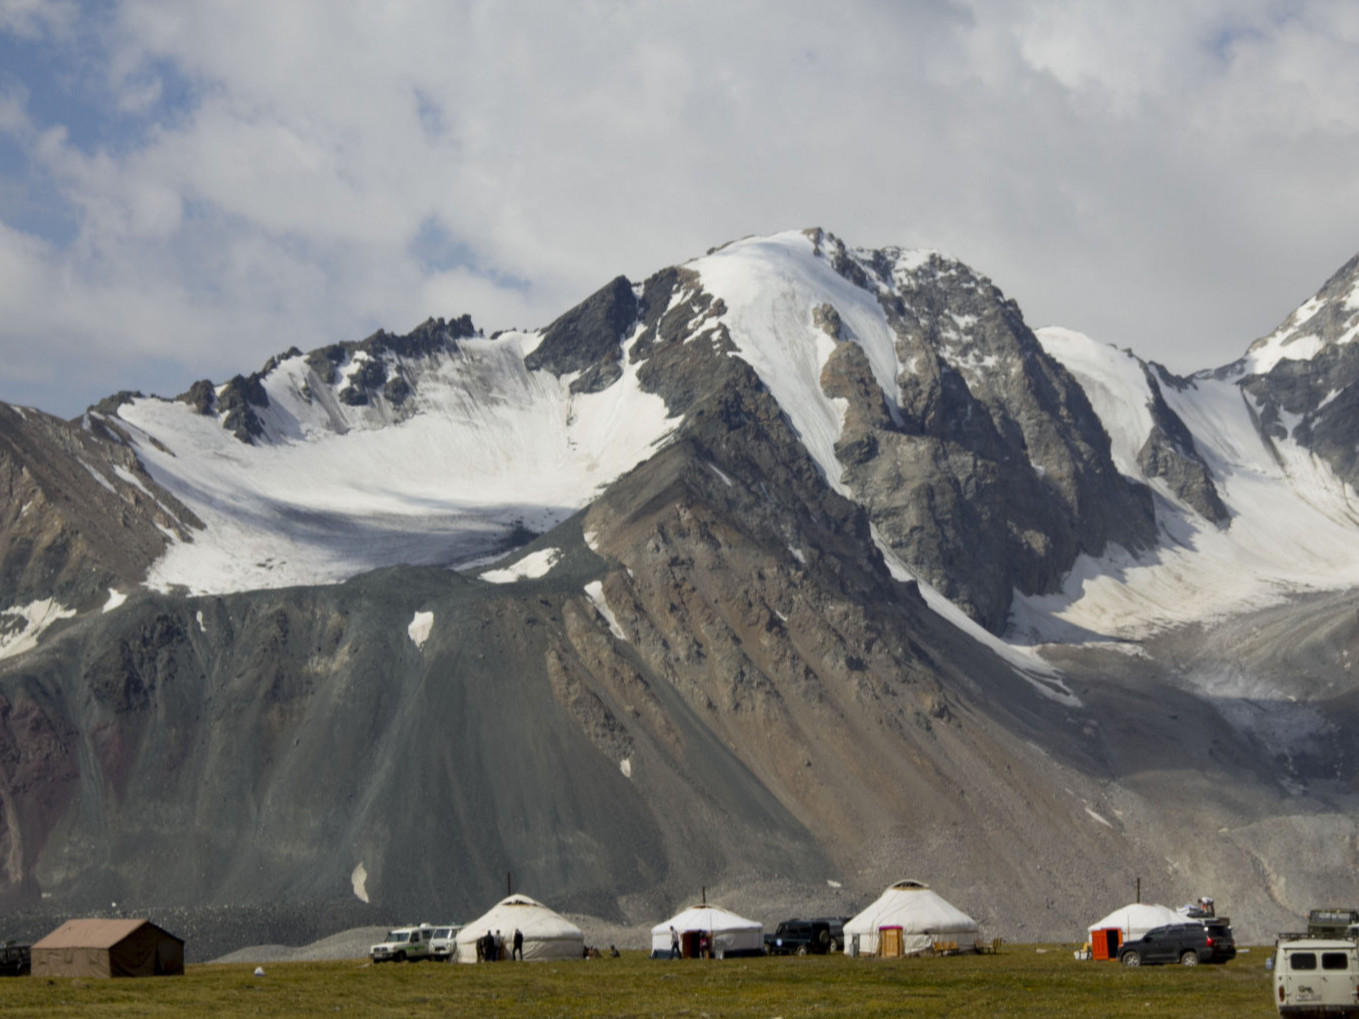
x=1104, y=943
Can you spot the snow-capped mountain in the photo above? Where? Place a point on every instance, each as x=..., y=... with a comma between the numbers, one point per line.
x=797, y=538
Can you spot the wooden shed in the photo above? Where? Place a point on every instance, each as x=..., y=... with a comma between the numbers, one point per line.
x=108, y=948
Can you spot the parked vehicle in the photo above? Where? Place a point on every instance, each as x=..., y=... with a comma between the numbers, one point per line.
x=1185, y=943
x=405, y=944
x=807, y=937
x=15, y=960
x=1332, y=922
x=443, y=941
x=1316, y=976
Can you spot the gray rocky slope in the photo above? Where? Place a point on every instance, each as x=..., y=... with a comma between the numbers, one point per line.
x=765, y=711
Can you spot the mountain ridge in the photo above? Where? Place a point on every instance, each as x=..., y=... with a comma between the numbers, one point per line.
x=813, y=566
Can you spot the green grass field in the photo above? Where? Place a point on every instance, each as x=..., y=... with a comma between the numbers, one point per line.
x=1023, y=980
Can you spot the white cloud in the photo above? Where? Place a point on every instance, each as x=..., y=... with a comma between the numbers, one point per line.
x=35, y=19
x=1169, y=176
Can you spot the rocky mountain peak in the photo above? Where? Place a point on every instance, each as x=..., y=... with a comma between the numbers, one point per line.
x=1303, y=378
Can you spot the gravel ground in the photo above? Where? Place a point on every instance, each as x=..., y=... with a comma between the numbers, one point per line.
x=350, y=944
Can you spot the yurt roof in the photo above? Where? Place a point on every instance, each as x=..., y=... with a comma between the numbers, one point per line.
x=1140, y=916
x=914, y=907
x=532, y=918
x=706, y=917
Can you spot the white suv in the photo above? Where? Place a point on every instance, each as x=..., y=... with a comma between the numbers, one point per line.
x=404, y=944
x=443, y=941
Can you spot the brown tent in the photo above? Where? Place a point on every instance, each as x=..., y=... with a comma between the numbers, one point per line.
x=108, y=948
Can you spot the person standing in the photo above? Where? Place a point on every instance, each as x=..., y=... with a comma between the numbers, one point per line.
x=518, y=945
x=674, y=943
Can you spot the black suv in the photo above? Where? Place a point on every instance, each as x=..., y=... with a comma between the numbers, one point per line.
x=803, y=937
x=1186, y=943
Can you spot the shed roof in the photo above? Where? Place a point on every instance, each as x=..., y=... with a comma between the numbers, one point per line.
x=93, y=933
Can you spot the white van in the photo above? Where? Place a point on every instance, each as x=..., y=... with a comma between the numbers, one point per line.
x=1317, y=977
x=443, y=941
x=405, y=944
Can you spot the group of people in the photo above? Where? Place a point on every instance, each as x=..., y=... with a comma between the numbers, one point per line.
x=491, y=947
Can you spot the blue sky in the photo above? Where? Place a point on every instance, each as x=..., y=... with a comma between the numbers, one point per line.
x=188, y=188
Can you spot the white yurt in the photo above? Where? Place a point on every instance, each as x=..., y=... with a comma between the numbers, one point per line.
x=1136, y=918
x=906, y=919
x=547, y=935
x=728, y=934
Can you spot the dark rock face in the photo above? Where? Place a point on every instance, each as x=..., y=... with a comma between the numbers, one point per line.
x=237, y=401
x=997, y=474
x=370, y=375
x=589, y=336
x=1170, y=454
x=201, y=396
x=79, y=514
x=1312, y=396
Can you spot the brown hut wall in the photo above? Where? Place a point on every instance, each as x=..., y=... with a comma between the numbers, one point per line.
x=70, y=962
x=147, y=952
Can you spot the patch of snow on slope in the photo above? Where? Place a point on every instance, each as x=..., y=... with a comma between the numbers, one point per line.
x=532, y=566
x=21, y=626
x=358, y=880
x=721, y=474
x=115, y=599
x=1024, y=660
x=595, y=591
x=770, y=286
x=420, y=626
x=485, y=447
x=1292, y=529
x=1287, y=343
x=99, y=477
x=1115, y=386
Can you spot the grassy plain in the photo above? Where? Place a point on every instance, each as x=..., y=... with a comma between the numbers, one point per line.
x=1023, y=980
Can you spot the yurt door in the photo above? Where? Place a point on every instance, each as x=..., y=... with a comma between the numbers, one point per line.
x=889, y=942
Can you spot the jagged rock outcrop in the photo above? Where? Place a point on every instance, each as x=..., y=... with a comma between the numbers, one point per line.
x=1171, y=455
x=78, y=514
x=998, y=473
x=1302, y=377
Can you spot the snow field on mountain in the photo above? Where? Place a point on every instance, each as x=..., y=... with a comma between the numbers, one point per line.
x=770, y=286
x=337, y=490
x=22, y=625
x=594, y=590
x=1292, y=524
x=531, y=567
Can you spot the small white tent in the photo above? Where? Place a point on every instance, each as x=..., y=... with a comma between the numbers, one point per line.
x=1136, y=918
x=728, y=934
x=547, y=935
x=906, y=919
